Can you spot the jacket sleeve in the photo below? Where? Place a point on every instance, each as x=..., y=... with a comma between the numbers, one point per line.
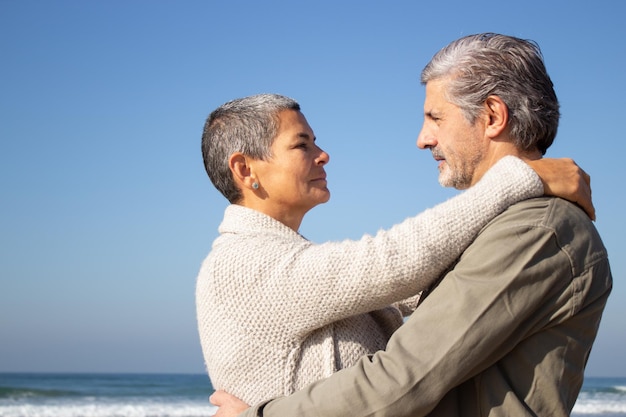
x=479, y=312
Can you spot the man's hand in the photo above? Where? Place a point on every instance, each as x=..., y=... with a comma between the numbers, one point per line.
x=563, y=178
x=229, y=405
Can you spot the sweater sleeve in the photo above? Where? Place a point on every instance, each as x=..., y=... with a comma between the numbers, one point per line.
x=316, y=284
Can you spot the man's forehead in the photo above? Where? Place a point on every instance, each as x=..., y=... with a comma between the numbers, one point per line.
x=435, y=95
x=436, y=88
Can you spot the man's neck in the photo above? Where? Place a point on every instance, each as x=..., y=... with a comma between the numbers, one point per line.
x=498, y=151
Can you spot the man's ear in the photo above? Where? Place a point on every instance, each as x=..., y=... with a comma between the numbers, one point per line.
x=240, y=168
x=498, y=116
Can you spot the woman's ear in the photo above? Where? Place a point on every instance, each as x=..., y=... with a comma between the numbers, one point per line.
x=498, y=114
x=240, y=168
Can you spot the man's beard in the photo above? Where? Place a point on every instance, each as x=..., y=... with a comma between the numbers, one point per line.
x=459, y=177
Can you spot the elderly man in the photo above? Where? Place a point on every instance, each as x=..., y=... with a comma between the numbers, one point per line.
x=508, y=330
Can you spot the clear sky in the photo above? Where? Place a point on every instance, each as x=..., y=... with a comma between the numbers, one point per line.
x=107, y=213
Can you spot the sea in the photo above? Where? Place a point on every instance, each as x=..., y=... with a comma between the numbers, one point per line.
x=186, y=395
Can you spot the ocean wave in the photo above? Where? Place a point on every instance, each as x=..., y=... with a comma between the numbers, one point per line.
x=22, y=393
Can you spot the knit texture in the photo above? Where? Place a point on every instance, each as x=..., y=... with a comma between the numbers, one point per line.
x=277, y=312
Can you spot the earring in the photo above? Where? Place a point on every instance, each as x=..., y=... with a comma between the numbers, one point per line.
x=255, y=185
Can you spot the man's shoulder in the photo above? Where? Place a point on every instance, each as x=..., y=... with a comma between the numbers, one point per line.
x=551, y=212
x=573, y=230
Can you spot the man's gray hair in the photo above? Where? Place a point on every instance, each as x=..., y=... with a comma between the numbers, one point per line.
x=489, y=64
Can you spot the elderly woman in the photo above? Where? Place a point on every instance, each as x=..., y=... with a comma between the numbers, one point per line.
x=276, y=311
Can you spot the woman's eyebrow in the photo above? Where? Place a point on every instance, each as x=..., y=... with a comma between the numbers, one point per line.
x=305, y=135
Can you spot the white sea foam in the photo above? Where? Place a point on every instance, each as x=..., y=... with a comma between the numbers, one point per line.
x=83, y=409
x=600, y=405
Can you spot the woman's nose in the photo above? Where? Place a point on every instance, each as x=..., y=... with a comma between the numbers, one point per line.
x=323, y=157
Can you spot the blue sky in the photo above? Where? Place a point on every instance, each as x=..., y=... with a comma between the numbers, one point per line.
x=106, y=212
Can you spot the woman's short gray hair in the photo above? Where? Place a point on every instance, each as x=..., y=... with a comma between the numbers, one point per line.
x=489, y=64
x=247, y=125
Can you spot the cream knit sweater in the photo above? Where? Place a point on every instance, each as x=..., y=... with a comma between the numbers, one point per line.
x=277, y=312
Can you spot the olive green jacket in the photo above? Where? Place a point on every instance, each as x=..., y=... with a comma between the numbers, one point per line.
x=507, y=332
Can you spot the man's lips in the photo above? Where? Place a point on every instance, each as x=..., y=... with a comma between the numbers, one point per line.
x=439, y=158
x=440, y=161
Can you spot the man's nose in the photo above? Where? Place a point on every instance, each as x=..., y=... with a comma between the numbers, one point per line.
x=425, y=139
